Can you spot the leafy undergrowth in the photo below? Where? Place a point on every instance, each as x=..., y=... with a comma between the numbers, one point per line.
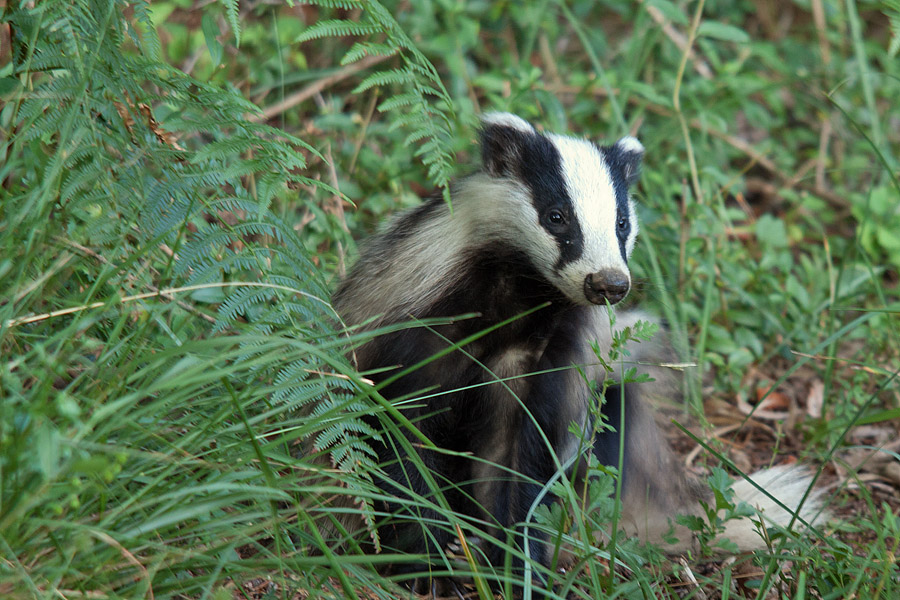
x=168, y=359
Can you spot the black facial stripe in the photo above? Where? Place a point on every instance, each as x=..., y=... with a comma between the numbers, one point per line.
x=541, y=170
x=616, y=163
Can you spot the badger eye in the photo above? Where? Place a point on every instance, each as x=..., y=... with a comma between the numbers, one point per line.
x=555, y=217
x=622, y=224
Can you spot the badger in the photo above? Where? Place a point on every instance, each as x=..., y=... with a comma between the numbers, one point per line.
x=516, y=276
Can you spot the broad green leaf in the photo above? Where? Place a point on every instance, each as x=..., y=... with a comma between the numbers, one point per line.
x=721, y=31
x=210, y=33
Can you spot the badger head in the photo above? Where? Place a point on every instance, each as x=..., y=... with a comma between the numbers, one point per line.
x=566, y=205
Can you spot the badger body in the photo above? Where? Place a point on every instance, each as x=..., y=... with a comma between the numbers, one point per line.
x=519, y=270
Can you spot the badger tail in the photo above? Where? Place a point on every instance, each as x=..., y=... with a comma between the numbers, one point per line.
x=785, y=487
x=654, y=519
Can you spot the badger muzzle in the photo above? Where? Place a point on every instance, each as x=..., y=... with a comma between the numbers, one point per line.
x=607, y=284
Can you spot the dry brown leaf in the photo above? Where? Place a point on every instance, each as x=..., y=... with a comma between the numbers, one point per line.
x=815, y=399
x=773, y=407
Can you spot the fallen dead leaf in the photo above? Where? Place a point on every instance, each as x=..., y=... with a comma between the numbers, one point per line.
x=815, y=399
x=773, y=407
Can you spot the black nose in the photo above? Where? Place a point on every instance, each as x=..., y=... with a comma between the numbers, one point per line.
x=608, y=284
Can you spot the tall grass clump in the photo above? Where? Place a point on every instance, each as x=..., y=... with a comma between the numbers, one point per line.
x=162, y=329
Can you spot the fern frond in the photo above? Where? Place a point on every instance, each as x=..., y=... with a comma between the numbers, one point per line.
x=147, y=38
x=398, y=77
x=343, y=4
x=423, y=97
x=337, y=28
x=360, y=50
x=232, y=13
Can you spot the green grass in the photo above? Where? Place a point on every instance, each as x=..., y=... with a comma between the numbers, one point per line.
x=177, y=413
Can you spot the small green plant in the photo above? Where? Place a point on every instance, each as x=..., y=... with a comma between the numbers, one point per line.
x=709, y=527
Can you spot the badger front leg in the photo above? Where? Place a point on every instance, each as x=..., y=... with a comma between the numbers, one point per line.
x=511, y=496
x=539, y=444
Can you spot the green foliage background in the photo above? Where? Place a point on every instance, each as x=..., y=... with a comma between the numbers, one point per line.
x=167, y=349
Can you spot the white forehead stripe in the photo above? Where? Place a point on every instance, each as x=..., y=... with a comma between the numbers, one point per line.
x=583, y=164
x=590, y=186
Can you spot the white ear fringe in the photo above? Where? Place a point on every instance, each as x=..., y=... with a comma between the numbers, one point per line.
x=630, y=144
x=503, y=119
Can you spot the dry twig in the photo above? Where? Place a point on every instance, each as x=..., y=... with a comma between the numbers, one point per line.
x=317, y=87
x=680, y=41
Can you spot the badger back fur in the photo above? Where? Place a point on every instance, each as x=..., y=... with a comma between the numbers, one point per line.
x=542, y=231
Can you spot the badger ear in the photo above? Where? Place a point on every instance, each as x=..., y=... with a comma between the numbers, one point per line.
x=503, y=138
x=627, y=154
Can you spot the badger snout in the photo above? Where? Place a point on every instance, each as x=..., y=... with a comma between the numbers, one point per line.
x=608, y=284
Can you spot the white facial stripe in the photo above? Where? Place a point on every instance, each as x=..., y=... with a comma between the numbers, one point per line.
x=635, y=229
x=591, y=188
